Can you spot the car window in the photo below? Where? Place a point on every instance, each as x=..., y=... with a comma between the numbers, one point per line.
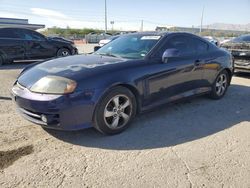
x=182, y=44
x=130, y=46
x=247, y=38
x=30, y=35
x=201, y=47
x=179, y=42
x=8, y=33
x=243, y=38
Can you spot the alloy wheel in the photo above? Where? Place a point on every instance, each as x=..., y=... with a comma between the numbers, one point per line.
x=118, y=112
x=221, y=84
x=65, y=53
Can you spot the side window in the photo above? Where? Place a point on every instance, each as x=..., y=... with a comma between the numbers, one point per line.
x=36, y=36
x=246, y=39
x=8, y=33
x=30, y=35
x=179, y=42
x=201, y=47
x=183, y=44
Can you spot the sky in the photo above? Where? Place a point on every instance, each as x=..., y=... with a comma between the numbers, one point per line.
x=127, y=14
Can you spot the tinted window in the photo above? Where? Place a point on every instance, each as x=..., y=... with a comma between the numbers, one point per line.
x=9, y=33
x=183, y=44
x=244, y=38
x=179, y=42
x=187, y=45
x=30, y=35
x=200, y=46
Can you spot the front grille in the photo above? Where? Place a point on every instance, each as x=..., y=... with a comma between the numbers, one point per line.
x=242, y=62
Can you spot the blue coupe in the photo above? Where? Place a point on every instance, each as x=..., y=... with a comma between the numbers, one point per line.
x=130, y=75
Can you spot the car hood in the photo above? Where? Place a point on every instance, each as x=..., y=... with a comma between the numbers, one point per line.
x=76, y=67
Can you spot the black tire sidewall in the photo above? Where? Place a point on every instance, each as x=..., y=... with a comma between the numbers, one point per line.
x=213, y=94
x=99, y=122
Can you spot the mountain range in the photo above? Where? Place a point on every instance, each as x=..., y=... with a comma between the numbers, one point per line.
x=224, y=26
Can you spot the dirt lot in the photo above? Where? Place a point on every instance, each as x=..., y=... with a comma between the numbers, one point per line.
x=198, y=143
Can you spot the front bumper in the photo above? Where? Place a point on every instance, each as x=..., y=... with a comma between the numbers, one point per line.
x=242, y=65
x=63, y=112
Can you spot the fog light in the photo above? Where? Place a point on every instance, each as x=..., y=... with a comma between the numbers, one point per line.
x=44, y=118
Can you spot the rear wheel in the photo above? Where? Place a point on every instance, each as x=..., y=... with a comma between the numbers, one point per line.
x=220, y=85
x=63, y=52
x=115, y=111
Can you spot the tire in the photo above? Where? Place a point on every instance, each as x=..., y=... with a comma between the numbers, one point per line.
x=63, y=52
x=220, y=85
x=115, y=111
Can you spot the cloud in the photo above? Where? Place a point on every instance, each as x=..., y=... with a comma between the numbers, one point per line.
x=58, y=19
x=48, y=13
x=8, y=15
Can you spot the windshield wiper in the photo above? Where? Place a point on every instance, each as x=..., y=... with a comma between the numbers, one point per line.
x=108, y=54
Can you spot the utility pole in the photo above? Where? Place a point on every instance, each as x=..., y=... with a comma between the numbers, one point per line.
x=202, y=14
x=112, y=23
x=106, y=19
x=141, y=26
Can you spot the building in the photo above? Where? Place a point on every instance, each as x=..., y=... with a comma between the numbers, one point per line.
x=23, y=23
x=196, y=30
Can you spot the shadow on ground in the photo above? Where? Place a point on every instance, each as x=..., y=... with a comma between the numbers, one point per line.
x=171, y=125
x=242, y=75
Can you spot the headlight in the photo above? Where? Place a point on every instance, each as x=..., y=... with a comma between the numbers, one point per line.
x=54, y=85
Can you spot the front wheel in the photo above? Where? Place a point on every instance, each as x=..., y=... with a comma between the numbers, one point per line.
x=63, y=52
x=220, y=85
x=115, y=111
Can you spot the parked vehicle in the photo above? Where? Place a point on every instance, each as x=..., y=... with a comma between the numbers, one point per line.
x=129, y=75
x=212, y=40
x=240, y=49
x=95, y=37
x=18, y=44
x=106, y=41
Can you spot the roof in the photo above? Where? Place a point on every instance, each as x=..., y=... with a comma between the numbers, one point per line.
x=150, y=33
x=19, y=23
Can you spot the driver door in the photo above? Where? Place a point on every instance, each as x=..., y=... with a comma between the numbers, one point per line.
x=179, y=76
x=37, y=46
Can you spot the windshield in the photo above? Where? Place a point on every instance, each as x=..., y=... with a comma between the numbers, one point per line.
x=130, y=46
x=244, y=38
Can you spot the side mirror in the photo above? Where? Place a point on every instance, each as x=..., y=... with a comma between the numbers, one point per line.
x=96, y=48
x=171, y=52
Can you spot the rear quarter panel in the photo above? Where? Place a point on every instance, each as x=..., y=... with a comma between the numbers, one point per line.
x=217, y=60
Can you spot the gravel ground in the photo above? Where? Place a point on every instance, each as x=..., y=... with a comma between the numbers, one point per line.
x=86, y=48
x=197, y=143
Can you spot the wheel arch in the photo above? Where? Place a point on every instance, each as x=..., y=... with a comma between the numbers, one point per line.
x=230, y=74
x=135, y=92
x=130, y=87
